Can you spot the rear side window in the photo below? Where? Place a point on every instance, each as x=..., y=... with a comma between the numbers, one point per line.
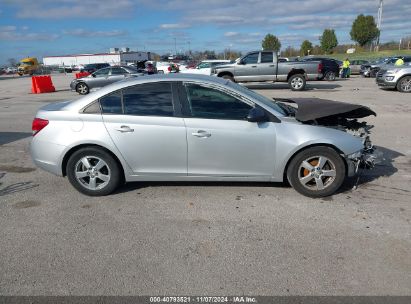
x=150, y=99
x=111, y=104
x=118, y=71
x=266, y=57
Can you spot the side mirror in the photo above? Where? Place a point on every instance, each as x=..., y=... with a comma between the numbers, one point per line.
x=241, y=62
x=94, y=75
x=257, y=115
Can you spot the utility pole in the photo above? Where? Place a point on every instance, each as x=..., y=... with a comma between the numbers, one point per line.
x=379, y=20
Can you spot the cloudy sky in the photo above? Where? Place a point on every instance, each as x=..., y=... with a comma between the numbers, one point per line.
x=57, y=27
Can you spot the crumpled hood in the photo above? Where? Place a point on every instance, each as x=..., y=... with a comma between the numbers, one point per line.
x=316, y=108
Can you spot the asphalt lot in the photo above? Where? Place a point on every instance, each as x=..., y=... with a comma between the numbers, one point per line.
x=206, y=238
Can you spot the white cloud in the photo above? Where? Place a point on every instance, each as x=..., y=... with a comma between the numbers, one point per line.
x=88, y=33
x=12, y=33
x=231, y=34
x=51, y=9
x=168, y=26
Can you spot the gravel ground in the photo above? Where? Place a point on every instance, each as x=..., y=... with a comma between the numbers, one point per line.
x=206, y=238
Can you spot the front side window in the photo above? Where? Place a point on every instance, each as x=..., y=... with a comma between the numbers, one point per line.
x=149, y=99
x=211, y=103
x=250, y=58
x=111, y=103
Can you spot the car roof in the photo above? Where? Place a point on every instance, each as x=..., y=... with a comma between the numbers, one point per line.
x=216, y=60
x=85, y=100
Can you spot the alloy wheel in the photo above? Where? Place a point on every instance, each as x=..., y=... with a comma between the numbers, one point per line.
x=297, y=83
x=82, y=88
x=92, y=172
x=317, y=173
x=406, y=84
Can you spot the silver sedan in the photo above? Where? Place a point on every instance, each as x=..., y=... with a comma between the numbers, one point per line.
x=185, y=127
x=103, y=77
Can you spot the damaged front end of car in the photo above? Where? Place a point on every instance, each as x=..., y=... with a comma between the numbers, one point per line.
x=341, y=116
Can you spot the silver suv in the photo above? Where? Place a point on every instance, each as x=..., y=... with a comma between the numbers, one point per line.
x=398, y=77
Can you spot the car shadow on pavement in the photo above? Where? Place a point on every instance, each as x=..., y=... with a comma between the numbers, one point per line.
x=384, y=168
x=8, y=137
x=319, y=85
x=132, y=186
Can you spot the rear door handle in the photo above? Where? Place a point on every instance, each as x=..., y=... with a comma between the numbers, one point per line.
x=253, y=66
x=271, y=65
x=125, y=129
x=201, y=134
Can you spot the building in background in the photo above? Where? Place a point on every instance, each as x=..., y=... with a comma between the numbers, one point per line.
x=116, y=56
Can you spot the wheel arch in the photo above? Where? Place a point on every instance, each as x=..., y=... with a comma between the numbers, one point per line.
x=221, y=74
x=311, y=146
x=82, y=146
x=402, y=77
x=295, y=72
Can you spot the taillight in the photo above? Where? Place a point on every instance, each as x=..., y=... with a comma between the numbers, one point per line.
x=169, y=68
x=320, y=67
x=38, y=124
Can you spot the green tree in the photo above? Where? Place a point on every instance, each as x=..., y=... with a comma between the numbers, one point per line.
x=328, y=40
x=306, y=46
x=271, y=42
x=364, y=30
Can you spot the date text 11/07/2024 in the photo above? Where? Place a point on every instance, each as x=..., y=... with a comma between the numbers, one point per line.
x=205, y=299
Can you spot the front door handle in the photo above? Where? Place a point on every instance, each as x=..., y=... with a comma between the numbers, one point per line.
x=201, y=134
x=253, y=66
x=125, y=129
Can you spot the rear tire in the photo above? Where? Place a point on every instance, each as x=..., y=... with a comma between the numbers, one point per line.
x=404, y=84
x=316, y=172
x=330, y=76
x=93, y=171
x=297, y=82
x=82, y=88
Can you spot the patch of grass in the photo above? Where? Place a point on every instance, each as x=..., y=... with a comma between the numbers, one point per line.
x=371, y=55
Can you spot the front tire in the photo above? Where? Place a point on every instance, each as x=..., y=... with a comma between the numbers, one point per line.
x=297, y=82
x=82, y=88
x=404, y=84
x=229, y=77
x=316, y=172
x=93, y=171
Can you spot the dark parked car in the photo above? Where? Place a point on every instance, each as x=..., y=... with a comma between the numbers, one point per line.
x=330, y=67
x=92, y=67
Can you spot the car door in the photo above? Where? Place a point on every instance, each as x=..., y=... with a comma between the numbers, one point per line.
x=221, y=142
x=267, y=66
x=247, y=68
x=99, y=78
x=143, y=123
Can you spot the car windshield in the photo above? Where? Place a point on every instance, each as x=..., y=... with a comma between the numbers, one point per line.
x=266, y=101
